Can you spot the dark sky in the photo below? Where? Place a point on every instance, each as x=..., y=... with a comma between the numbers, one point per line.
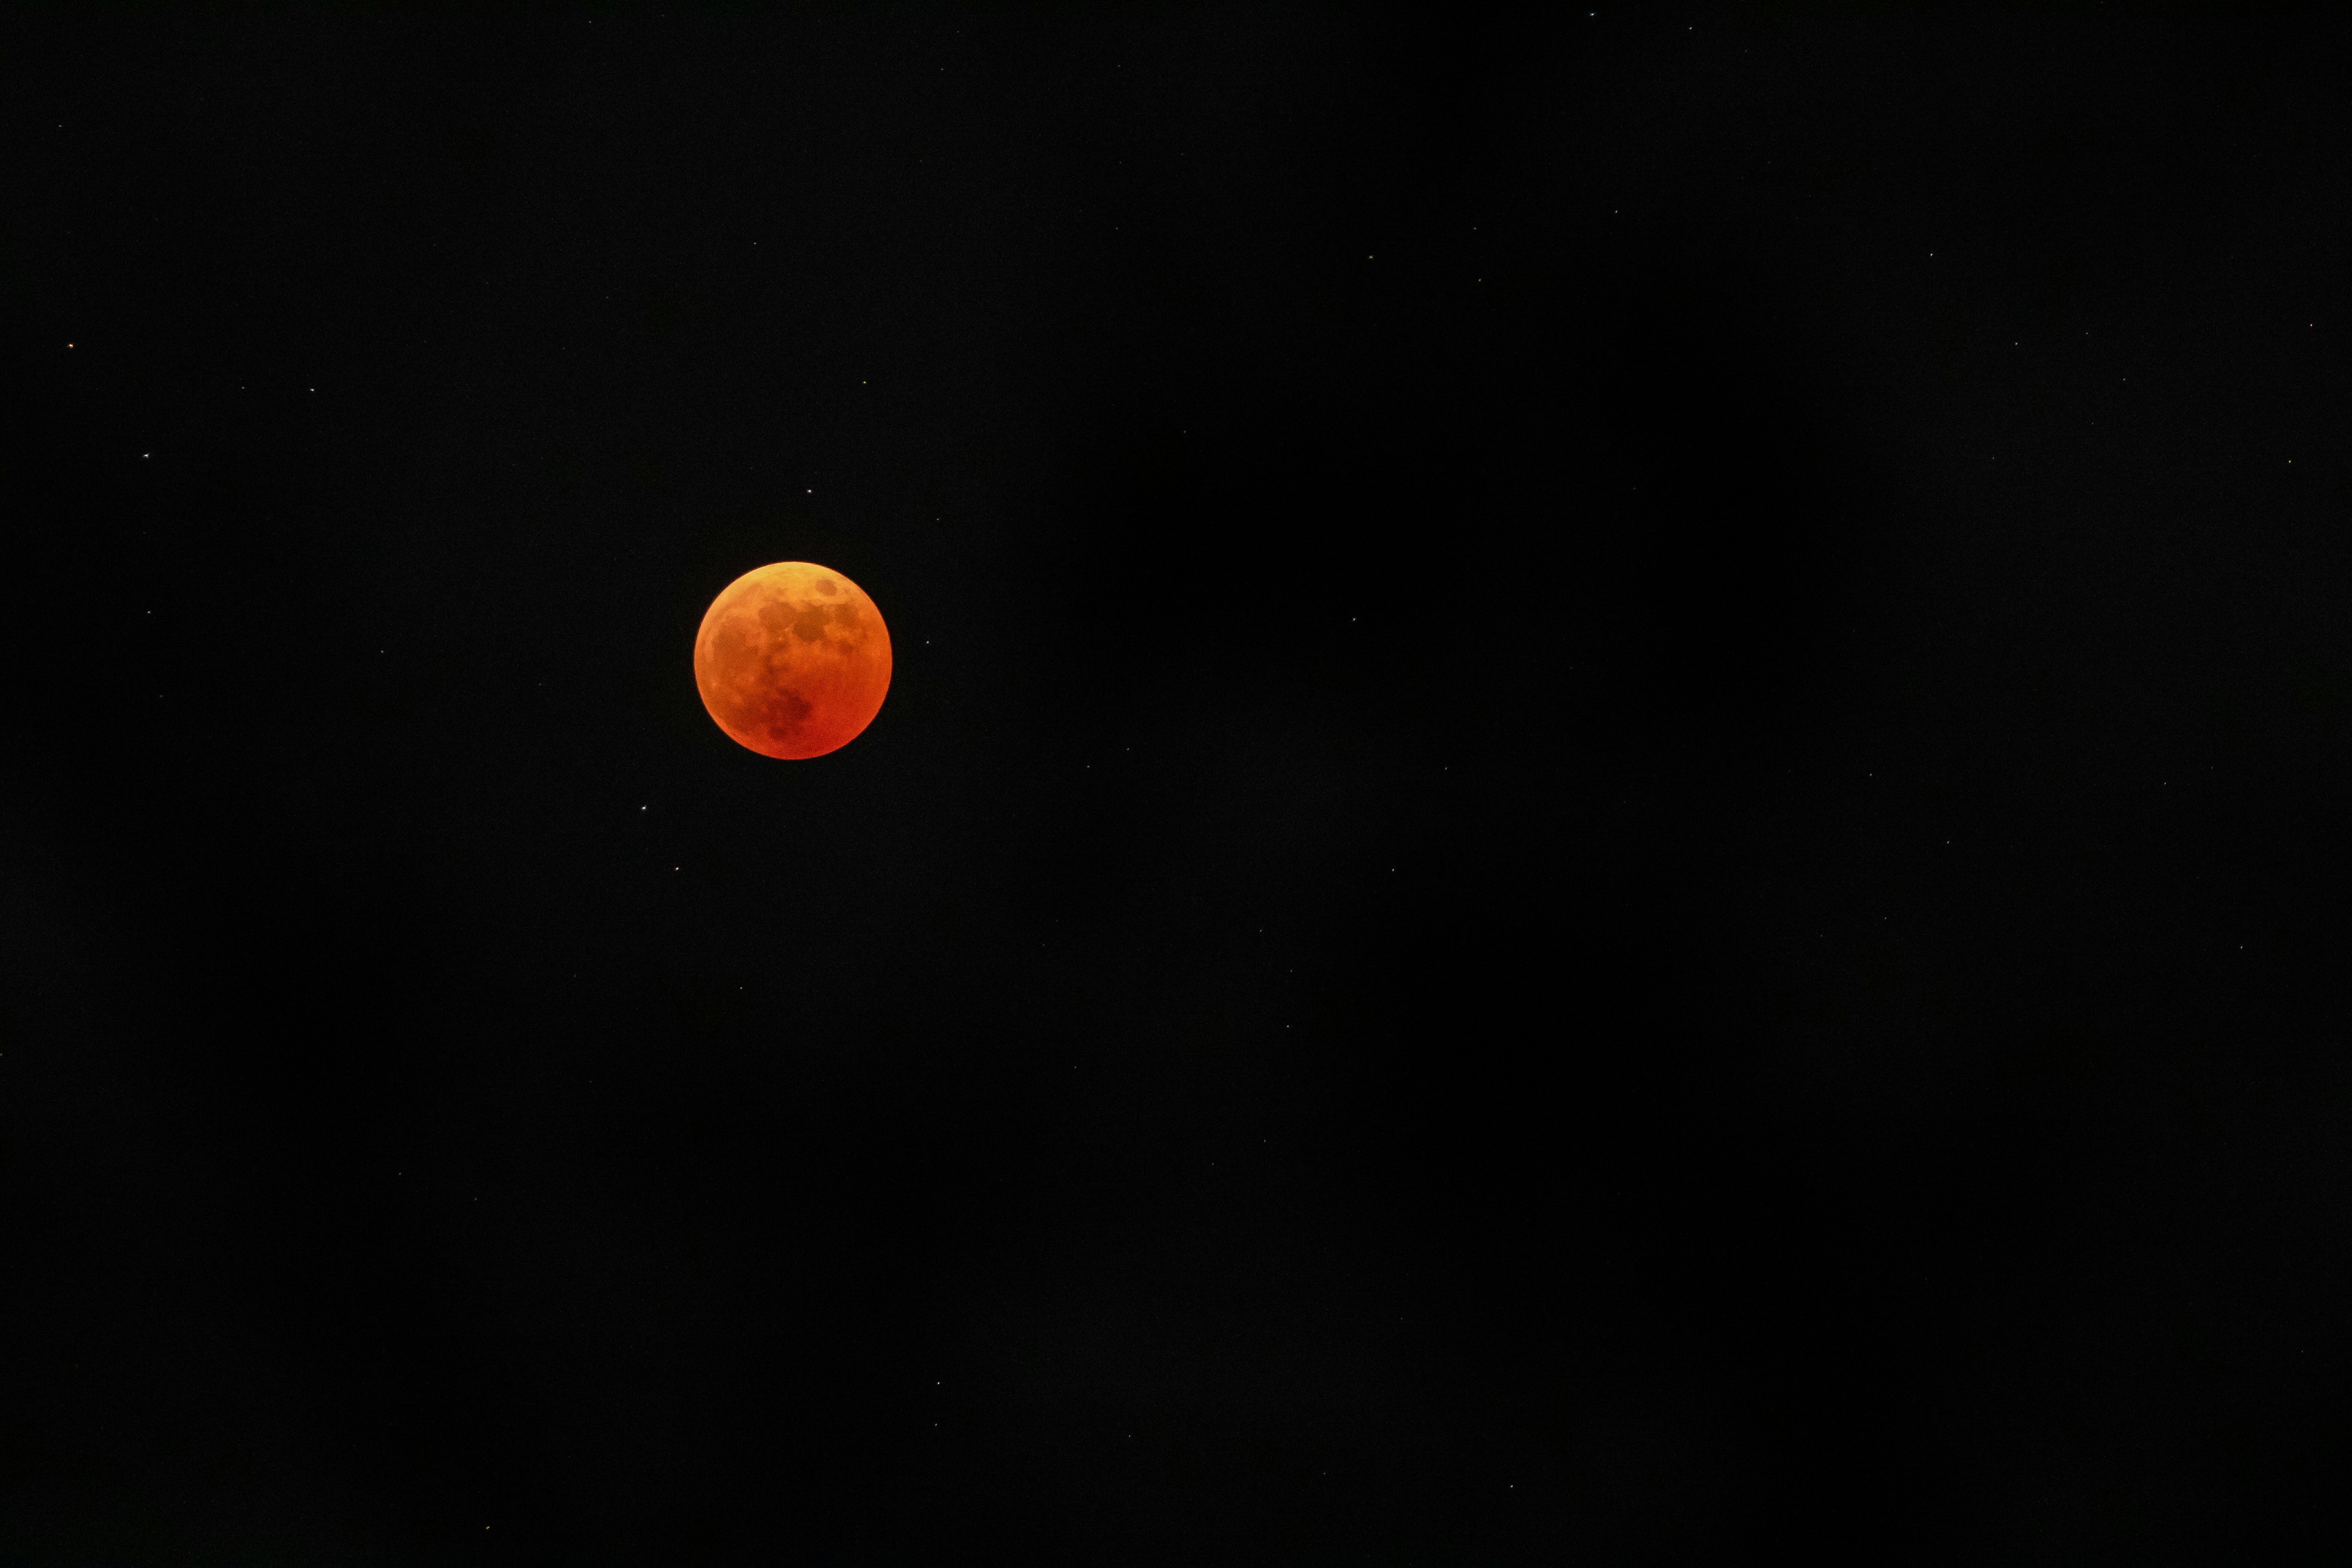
x=1612, y=827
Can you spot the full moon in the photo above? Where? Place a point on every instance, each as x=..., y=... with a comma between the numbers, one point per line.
x=793, y=660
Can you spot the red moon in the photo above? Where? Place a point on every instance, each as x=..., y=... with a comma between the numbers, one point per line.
x=793, y=660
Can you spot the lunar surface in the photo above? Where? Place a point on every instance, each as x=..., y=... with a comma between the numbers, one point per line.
x=793, y=660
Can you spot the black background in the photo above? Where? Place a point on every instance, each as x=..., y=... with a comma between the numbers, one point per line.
x=1611, y=826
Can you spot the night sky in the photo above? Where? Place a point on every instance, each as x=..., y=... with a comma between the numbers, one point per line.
x=1612, y=827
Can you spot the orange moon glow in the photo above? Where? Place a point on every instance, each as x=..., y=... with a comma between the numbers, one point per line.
x=793, y=660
